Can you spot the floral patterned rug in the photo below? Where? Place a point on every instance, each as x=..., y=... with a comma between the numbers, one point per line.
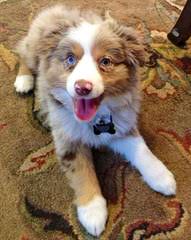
x=35, y=200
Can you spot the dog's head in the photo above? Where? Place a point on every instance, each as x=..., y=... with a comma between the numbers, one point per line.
x=90, y=61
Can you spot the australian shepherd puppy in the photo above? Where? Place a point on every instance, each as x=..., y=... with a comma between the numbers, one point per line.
x=88, y=86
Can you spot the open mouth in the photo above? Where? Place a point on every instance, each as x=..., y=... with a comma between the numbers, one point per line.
x=85, y=109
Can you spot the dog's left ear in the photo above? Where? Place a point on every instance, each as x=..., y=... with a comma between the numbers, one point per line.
x=134, y=46
x=131, y=39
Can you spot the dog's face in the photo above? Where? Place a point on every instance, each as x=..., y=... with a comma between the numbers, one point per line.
x=90, y=62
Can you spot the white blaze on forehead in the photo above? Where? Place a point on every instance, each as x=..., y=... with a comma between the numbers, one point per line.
x=84, y=34
x=86, y=68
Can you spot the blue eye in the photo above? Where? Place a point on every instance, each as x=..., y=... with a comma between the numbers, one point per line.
x=71, y=60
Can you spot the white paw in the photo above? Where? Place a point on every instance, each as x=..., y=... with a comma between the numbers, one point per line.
x=93, y=215
x=24, y=83
x=162, y=180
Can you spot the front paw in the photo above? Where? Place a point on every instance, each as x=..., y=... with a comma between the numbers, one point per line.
x=93, y=215
x=24, y=83
x=162, y=180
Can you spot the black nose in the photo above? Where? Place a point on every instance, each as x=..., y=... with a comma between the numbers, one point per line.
x=83, y=87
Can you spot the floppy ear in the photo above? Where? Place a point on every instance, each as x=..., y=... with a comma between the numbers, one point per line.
x=50, y=39
x=134, y=46
x=131, y=39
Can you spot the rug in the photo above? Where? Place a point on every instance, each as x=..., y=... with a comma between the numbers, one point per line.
x=35, y=199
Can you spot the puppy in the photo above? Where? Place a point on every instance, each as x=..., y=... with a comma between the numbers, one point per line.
x=88, y=86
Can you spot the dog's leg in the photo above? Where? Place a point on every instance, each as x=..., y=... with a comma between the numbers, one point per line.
x=157, y=176
x=24, y=81
x=78, y=167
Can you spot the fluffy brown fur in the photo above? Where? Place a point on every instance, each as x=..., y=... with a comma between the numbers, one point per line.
x=44, y=51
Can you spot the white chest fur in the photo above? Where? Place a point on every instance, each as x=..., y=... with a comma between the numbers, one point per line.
x=62, y=119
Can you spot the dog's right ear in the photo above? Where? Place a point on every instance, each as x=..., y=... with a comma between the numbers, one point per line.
x=50, y=39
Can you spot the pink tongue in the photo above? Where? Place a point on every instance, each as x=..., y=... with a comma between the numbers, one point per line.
x=85, y=109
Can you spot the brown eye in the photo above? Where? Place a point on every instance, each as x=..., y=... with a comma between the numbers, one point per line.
x=105, y=62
